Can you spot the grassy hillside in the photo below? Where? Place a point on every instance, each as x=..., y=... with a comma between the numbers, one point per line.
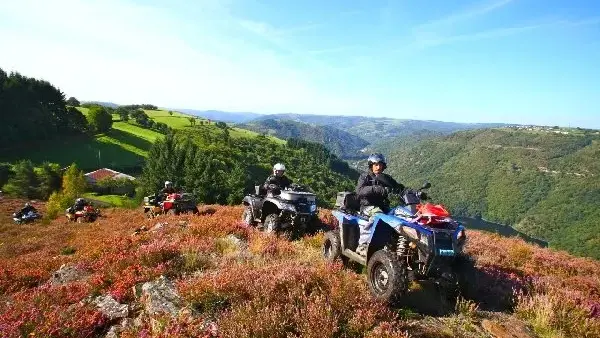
x=231, y=281
x=545, y=183
x=339, y=142
x=123, y=148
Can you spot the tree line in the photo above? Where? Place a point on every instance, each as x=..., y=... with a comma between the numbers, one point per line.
x=34, y=110
x=221, y=170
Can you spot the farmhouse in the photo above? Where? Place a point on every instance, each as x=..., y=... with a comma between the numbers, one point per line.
x=110, y=181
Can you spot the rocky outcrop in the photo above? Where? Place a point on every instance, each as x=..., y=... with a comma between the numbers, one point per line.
x=111, y=308
x=160, y=296
x=67, y=273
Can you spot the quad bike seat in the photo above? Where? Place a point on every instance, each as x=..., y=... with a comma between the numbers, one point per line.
x=348, y=201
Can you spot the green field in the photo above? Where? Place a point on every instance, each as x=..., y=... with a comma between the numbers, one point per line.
x=126, y=145
x=123, y=148
x=113, y=200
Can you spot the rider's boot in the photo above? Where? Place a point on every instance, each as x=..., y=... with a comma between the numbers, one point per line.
x=362, y=250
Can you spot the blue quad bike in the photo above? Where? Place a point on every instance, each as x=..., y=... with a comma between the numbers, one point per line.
x=20, y=218
x=413, y=241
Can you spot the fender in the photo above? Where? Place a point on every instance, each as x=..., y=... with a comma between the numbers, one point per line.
x=278, y=203
x=255, y=204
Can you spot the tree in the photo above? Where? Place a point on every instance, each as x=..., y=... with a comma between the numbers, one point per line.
x=24, y=183
x=77, y=120
x=171, y=112
x=6, y=173
x=73, y=185
x=50, y=179
x=192, y=121
x=33, y=110
x=123, y=113
x=73, y=182
x=73, y=102
x=100, y=119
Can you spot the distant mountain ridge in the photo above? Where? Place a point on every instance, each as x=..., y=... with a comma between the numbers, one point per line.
x=217, y=115
x=336, y=140
x=102, y=103
x=380, y=129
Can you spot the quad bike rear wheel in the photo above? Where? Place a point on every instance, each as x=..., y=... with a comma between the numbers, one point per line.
x=172, y=212
x=387, y=276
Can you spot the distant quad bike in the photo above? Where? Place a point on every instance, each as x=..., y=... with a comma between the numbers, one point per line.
x=414, y=241
x=293, y=209
x=20, y=218
x=87, y=215
x=173, y=204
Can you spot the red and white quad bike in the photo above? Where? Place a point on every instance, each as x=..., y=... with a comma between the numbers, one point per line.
x=88, y=214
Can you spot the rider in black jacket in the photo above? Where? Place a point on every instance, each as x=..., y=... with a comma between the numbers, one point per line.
x=278, y=180
x=373, y=189
x=27, y=208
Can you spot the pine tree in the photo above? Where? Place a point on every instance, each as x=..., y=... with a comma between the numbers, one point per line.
x=24, y=183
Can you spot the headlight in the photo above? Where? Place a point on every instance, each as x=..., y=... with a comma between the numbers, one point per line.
x=313, y=207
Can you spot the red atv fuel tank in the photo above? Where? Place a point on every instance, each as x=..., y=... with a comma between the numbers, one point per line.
x=170, y=201
x=432, y=213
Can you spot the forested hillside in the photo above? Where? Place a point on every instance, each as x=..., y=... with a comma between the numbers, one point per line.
x=34, y=110
x=336, y=140
x=378, y=129
x=220, y=169
x=544, y=181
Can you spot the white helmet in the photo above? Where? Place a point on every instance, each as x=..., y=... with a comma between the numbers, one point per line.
x=279, y=166
x=167, y=183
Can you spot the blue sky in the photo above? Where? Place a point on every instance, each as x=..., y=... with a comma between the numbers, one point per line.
x=514, y=61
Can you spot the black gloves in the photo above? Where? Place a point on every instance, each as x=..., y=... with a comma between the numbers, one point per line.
x=383, y=179
x=423, y=196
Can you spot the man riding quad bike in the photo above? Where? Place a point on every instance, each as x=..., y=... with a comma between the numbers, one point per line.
x=27, y=214
x=411, y=241
x=169, y=201
x=280, y=205
x=82, y=211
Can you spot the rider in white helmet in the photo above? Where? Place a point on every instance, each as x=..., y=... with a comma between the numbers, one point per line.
x=278, y=180
x=168, y=189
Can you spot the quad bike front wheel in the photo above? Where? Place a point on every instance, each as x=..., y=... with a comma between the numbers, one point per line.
x=387, y=276
x=247, y=217
x=332, y=247
x=272, y=223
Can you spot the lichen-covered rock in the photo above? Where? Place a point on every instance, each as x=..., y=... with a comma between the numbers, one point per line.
x=66, y=273
x=507, y=329
x=111, y=308
x=115, y=330
x=160, y=296
x=159, y=226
